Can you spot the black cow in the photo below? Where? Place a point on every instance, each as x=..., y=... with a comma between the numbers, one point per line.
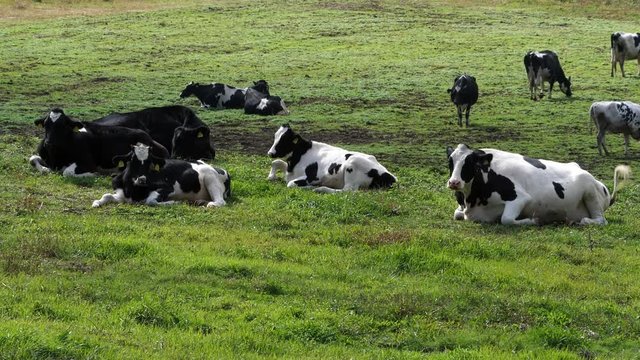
x=544, y=66
x=464, y=94
x=176, y=127
x=260, y=103
x=154, y=181
x=221, y=96
x=81, y=148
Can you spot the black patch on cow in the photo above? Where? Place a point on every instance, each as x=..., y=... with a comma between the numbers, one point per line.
x=636, y=39
x=625, y=112
x=478, y=160
x=227, y=187
x=189, y=181
x=481, y=191
x=301, y=182
x=299, y=147
x=450, y=165
x=535, y=162
x=604, y=189
x=347, y=156
x=311, y=171
x=380, y=181
x=559, y=189
x=460, y=198
x=334, y=168
x=350, y=170
x=220, y=171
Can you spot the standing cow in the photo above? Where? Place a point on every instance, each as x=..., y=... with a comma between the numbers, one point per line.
x=328, y=168
x=464, y=94
x=499, y=186
x=615, y=117
x=544, y=66
x=624, y=46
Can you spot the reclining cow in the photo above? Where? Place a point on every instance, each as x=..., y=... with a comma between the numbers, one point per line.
x=324, y=167
x=155, y=181
x=464, y=94
x=624, y=46
x=544, y=66
x=615, y=117
x=262, y=103
x=82, y=148
x=221, y=96
x=498, y=186
x=176, y=127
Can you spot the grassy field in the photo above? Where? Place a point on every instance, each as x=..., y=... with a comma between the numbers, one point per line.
x=283, y=273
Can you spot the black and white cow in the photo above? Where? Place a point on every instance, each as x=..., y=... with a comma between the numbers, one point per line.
x=326, y=168
x=624, y=46
x=260, y=103
x=176, y=127
x=615, y=117
x=499, y=186
x=544, y=66
x=155, y=181
x=464, y=94
x=221, y=96
x=81, y=148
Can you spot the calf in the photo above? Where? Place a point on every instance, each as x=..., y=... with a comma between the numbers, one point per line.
x=221, y=96
x=544, y=66
x=624, y=46
x=499, y=186
x=81, y=148
x=261, y=103
x=464, y=94
x=154, y=181
x=176, y=127
x=616, y=117
x=327, y=168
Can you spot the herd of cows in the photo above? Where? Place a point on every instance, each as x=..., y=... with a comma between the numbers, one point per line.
x=158, y=153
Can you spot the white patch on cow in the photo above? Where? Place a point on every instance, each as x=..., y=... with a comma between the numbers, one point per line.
x=84, y=130
x=284, y=110
x=35, y=161
x=263, y=104
x=54, y=115
x=457, y=88
x=141, y=151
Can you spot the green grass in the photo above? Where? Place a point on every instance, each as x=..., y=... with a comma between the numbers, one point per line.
x=282, y=273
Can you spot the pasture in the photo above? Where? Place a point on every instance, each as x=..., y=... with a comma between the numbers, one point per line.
x=283, y=273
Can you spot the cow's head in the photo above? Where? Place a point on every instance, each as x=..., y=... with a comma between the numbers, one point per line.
x=464, y=164
x=188, y=90
x=284, y=142
x=261, y=86
x=460, y=82
x=139, y=166
x=277, y=106
x=192, y=143
x=58, y=127
x=565, y=87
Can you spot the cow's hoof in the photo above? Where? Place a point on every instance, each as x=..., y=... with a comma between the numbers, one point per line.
x=95, y=204
x=272, y=178
x=215, y=204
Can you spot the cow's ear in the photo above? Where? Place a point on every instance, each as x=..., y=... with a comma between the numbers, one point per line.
x=40, y=122
x=286, y=126
x=569, y=78
x=121, y=160
x=75, y=125
x=203, y=132
x=484, y=160
x=449, y=151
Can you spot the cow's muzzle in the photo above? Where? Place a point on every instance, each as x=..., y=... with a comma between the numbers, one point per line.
x=454, y=184
x=140, y=181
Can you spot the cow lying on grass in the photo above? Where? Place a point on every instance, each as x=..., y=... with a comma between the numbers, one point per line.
x=83, y=148
x=154, y=181
x=324, y=167
x=499, y=186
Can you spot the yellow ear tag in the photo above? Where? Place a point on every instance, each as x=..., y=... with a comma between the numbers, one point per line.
x=200, y=134
x=75, y=129
x=156, y=167
x=120, y=163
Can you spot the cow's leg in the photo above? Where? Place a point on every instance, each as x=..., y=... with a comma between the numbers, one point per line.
x=37, y=162
x=300, y=182
x=512, y=210
x=550, y=88
x=602, y=142
x=622, y=66
x=117, y=197
x=466, y=114
x=216, y=192
x=74, y=170
x=275, y=166
x=596, y=207
x=459, y=108
x=458, y=214
x=638, y=64
x=626, y=144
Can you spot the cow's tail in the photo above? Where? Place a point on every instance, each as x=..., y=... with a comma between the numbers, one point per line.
x=620, y=176
x=227, y=186
x=592, y=115
x=613, y=40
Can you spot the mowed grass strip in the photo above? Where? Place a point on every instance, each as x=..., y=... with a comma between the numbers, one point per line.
x=282, y=273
